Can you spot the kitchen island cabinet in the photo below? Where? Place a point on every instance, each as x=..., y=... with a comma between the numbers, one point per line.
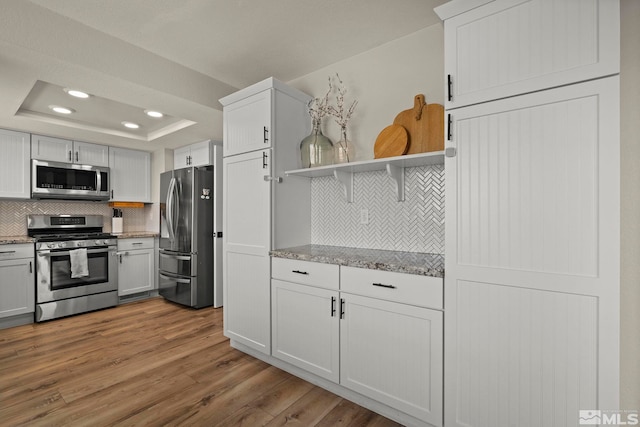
x=17, y=285
x=130, y=175
x=263, y=127
x=373, y=332
x=15, y=165
x=136, y=265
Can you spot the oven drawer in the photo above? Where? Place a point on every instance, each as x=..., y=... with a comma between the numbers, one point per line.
x=178, y=264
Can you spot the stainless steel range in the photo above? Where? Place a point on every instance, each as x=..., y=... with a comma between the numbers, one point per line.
x=76, y=265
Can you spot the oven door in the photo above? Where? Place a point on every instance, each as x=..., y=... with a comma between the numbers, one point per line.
x=53, y=274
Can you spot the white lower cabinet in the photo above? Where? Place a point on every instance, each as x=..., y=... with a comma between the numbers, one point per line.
x=372, y=332
x=17, y=286
x=136, y=264
x=305, y=328
x=392, y=353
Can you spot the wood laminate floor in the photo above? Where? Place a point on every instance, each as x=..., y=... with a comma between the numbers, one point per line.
x=153, y=363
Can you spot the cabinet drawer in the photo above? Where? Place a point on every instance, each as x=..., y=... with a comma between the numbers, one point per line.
x=16, y=251
x=308, y=273
x=135, y=243
x=399, y=287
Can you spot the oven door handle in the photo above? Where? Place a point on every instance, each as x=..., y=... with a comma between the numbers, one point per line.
x=63, y=253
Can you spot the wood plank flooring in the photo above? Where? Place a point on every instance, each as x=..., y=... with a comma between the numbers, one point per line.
x=153, y=363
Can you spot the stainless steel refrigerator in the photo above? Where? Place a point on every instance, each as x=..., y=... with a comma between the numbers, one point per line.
x=190, y=240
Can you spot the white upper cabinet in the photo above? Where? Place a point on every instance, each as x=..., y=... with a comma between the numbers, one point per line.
x=90, y=154
x=510, y=47
x=247, y=124
x=130, y=175
x=198, y=154
x=14, y=165
x=64, y=150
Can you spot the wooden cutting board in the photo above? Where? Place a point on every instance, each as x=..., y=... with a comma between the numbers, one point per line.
x=392, y=141
x=424, y=124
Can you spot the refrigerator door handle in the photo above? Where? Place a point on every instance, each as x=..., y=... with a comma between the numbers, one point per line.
x=174, y=279
x=169, y=211
x=178, y=257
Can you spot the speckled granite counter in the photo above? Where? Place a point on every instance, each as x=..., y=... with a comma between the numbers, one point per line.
x=401, y=262
x=10, y=240
x=135, y=234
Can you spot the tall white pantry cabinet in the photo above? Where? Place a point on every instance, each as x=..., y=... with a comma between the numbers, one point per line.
x=263, y=209
x=532, y=212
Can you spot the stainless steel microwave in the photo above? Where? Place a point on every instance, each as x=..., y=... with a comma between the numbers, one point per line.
x=56, y=180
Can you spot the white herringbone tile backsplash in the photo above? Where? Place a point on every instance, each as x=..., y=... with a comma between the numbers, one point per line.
x=13, y=215
x=415, y=225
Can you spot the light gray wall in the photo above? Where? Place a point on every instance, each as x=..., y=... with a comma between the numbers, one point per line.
x=384, y=80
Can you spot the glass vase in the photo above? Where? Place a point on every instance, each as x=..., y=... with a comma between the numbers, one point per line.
x=343, y=149
x=316, y=149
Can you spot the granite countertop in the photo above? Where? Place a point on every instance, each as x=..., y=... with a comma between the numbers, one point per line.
x=400, y=262
x=10, y=240
x=136, y=234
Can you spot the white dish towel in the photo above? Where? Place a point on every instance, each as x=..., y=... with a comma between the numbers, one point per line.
x=79, y=263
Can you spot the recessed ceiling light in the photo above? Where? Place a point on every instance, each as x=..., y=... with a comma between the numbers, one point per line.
x=154, y=114
x=61, y=110
x=130, y=125
x=77, y=93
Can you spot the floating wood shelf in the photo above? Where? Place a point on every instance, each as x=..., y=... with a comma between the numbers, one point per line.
x=393, y=165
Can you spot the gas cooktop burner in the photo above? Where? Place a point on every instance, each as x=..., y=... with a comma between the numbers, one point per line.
x=62, y=237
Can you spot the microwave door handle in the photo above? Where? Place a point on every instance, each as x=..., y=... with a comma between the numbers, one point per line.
x=98, y=181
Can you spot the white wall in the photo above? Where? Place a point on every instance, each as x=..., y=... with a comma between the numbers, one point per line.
x=630, y=205
x=384, y=80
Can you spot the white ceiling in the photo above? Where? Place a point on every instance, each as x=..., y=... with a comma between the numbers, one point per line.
x=178, y=57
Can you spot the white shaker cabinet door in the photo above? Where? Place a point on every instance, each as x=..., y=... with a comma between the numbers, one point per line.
x=392, y=353
x=17, y=286
x=15, y=165
x=305, y=328
x=246, y=246
x=136, y=271
x=247, y=124
x=52, y=149
x=130, y=175
x=532, y=257
x=90, y=154
x=511, y=47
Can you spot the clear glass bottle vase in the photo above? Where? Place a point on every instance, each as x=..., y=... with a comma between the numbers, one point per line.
x=316, y=149
x=344, y=151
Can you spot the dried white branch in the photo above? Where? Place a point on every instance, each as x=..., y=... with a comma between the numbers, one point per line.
x=338, y=111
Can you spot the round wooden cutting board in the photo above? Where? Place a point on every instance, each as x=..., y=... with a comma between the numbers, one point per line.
x=392, y=141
